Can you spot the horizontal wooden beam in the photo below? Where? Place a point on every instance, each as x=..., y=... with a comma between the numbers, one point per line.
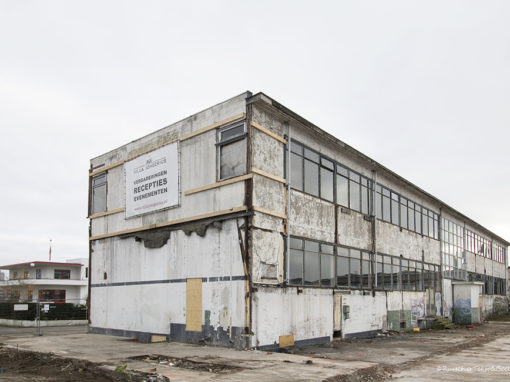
x=101, y=214
x=267, y=175
x=103, y=169
x=218, y=184
x=212, y=127
x=268, y=212
x=170, y=223
x=268, y=132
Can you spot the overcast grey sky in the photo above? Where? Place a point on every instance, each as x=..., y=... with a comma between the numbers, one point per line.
x=421, y=87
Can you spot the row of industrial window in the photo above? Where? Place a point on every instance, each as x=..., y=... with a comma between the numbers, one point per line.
x=319, y=176
x=481, y=246
x=452, y=244
x=491, y=284
x=323, y=265
x=396, y=209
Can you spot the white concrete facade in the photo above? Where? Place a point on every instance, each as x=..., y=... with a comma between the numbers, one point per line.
x=246, y=260
x=47, y=281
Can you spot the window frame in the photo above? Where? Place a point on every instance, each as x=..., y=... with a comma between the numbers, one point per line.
x=221, y=143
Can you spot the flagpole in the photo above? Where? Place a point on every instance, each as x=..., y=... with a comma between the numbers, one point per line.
x=50, y=250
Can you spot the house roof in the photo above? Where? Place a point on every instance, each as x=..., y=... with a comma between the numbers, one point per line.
x=41, y=263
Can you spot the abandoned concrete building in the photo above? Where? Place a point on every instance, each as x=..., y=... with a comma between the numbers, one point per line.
x=245, y=225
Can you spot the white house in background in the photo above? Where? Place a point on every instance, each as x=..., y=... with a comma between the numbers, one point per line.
x=47, y=281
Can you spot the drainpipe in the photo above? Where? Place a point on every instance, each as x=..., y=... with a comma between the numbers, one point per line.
x=374, y=232
x=288, y=203
x=439, y=225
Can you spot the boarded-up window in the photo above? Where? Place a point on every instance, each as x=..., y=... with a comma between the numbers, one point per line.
x=194, y=305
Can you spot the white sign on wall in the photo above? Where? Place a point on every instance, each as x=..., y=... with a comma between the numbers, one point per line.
x=152, y=181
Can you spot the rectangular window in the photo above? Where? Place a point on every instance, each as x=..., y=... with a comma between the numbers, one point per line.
x=98, y=199
x=296, y=262
x=425, y=222
x=410, y=221
x=394, y=208
x=38, y=273
x=342, y=190
x=327, y=270
x=62, y=274
x=232, y=151
x=52, y=295
x=296, y=171
x=387, y=273
x=418, y=218
x=397, y=280
x=326, y=184
x=378, y=202
x=311, y=263
x=355, y=268
x=386, y=210
x=365, y=270
x=403, y=212
x=365, y=196
x=311, y=177
x=342, y=267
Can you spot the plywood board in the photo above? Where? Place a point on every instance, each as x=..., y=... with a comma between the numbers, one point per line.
x=286, y=341
x=194, y=305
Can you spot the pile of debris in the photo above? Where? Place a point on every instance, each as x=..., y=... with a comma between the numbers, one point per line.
x=441, y=323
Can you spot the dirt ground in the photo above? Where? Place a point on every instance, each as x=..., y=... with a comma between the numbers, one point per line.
x=390, y=356
x=19, y=365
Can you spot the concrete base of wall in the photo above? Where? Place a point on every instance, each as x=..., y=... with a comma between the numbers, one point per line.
x=307, y=342
x=33, y=324
x=143, y=337
x=367, y=334
x=210, y=336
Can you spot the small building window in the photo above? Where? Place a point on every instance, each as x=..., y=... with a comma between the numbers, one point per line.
x=98, y=199
x=232, y=151
x=52, y=295
x=62, y=274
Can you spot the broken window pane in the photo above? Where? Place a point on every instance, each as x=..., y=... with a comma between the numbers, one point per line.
x=233, y=159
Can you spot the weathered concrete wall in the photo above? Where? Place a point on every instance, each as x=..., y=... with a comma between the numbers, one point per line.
x=493, y=305
x=406, y=309
x=198, y=161
x=391, y=240
x=311, y=217
x=367, y=314
x=305, y=313
x=145, y=289
x=354, y=230
x=447, y=298
x=466, y=303
x=269, y=194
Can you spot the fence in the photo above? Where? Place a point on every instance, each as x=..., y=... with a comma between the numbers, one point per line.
x=43, y=313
